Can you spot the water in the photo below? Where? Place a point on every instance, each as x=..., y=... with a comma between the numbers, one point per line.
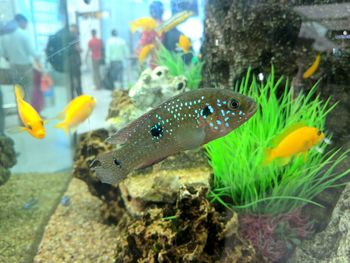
x=197, y=205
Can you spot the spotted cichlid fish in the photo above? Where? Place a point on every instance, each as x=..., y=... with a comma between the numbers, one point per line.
x=183, y=122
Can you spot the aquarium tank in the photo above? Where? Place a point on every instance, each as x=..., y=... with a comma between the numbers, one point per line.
x=174, y=131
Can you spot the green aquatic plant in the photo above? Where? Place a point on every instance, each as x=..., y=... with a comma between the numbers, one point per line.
x=242, y=182
x=177, y=67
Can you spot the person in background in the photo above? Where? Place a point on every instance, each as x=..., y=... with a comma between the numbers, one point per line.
x=74, y=59
x=19, y=51
x=116, y=53
x=95, y=48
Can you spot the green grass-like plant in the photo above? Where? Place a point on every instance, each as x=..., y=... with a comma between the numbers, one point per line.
x=242, y=182
x=177, y=67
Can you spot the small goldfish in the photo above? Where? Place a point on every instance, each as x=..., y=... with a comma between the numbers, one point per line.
x=312, y=69
x=296, y=140
x=145, y=23
x=30, y=118
x=145, y=52
x=76, y=112
x=183, y=122
x=184, y=43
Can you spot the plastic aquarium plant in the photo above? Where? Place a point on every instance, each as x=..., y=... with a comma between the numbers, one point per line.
x=243, y=183
x=177, y=67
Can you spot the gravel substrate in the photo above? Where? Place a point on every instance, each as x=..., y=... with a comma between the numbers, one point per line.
x=75, y=232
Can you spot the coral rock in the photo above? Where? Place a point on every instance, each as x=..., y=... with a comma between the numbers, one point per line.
x=190, y=231
x=154, y=87
x=7, y=158
x=90, y=145
x=332, y=244
x=162, y=183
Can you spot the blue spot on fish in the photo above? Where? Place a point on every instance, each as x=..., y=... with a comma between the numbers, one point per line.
x=218, y=122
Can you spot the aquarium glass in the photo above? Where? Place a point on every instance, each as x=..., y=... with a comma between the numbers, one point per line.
x=174, y=131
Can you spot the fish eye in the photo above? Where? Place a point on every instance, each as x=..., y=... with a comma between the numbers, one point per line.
x=30, y=127
x=319, y=133
x=234, y=104
x=159, y=73
x=42, y=123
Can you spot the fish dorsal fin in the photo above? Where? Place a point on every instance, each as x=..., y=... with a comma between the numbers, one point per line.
x=277, y=140
x=123, y=134
x=19, y=92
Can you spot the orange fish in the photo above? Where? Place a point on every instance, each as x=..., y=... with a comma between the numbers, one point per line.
x=33, y=124
x=294, y=141
x=312, y=69
x=76, y=112
x=145, y=23
x=145, y=51
x=184, y=43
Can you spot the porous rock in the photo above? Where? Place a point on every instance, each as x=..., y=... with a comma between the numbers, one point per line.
x=7, y=158
x=89, y=146
x=120, y=101
x=190, y=231
x=161, y=183
x=333, y=244
x=155, y=86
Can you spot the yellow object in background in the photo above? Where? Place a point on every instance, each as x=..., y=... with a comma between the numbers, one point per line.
x=173, y=21
x=296, y=140
x=33, y=124
x=145, y=52
x=312, y=69
x=184, y=43
x=145, y=23
x=76, y=112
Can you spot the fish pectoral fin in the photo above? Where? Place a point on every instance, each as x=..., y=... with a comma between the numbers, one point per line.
x=17, y=129
x=305, y=155
x=150, y=163
x=283, y=161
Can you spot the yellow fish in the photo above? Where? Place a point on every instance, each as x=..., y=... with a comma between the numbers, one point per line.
x=145, y=23
x=173, y=22
x=184, y=43
x=312, y=69
x=145, y=52
x=76, y=112
x=296, y=140
x=30, y=118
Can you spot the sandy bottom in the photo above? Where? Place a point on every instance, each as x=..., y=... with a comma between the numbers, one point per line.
x=26, y=202
x=75, y=232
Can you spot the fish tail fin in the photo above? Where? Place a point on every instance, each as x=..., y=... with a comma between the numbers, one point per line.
x=109, y=169
x=268, y=156
x=19, y=92
x=59, y=116
x=63, y=126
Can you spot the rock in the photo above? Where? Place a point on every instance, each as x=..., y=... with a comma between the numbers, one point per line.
x=120, y=102
x=190, y=231
x=161, y=183
x=154, y=87
x=89, y=146
x=7, y=158
x=240, y=34
x=333, y=244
